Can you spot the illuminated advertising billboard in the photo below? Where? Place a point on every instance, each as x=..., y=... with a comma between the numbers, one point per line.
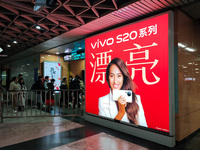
x=127, y=74
x=53, y=70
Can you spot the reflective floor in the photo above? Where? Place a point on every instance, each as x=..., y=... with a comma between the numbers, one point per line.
x=64, y=134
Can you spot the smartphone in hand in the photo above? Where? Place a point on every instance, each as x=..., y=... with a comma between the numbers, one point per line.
x=127, y=94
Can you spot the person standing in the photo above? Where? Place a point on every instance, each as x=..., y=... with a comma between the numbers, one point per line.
x=82, y=87
x=20, y=76
x=50, y=88
x=70, y=79
x=75, y=91
x=64, y=92
x=50, y=94
x=22, y=95
x=1, y=90
x=64, y=80
x=46, y=81
x=38, y=85
x=14, y=85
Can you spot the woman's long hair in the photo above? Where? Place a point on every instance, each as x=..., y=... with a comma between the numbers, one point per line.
x=21, y=83
x=131, y=108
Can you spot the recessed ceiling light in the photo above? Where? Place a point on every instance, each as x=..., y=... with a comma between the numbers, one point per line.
x=15, y=42
x=49, y=55
x=190, y=49
x=57, y=53
x=190, y=63
x=38, y=27
x=67, y=50
x=42, y=57
x=181, y=45
x=8, y=45
x=184, y=66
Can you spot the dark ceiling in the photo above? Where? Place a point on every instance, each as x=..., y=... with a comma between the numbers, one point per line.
x=68, y=18
x=18, y=20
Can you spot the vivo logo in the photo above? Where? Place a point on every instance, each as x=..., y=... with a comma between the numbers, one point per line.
x=99, y=43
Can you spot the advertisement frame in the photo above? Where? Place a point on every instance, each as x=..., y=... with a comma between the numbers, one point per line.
x=54, y=62
x=167, y=139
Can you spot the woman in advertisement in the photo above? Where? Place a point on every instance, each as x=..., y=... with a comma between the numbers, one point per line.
x=118, y=78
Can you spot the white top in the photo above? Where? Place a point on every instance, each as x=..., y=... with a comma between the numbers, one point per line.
x=45, y=84
x=108, y=108
x=14, y=86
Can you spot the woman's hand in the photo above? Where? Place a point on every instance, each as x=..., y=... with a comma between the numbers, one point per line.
x=122, y=101
x=122, y=104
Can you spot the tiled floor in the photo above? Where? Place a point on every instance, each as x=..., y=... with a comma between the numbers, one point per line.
x=60, y=134
x=17, y=130
x=101, y=141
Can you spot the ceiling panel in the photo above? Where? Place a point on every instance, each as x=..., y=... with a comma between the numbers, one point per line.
x=70, y=20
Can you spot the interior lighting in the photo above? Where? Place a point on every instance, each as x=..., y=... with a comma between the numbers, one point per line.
x=42, y=57
x=181, y=45
x=184, y=66
x=15, y=42
x=67, y=50
x=196, y=64
x=57, y=53
x=1, y=50
x=38, y=27
x=196, y=69
x=190, y=63
x=190, y=49
x=8, y=45
x=49, y=55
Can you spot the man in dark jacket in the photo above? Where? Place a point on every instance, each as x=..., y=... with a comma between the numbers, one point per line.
x=64, y=92
x=38, y=85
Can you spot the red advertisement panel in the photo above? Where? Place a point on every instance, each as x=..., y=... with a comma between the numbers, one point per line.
x=131, y=58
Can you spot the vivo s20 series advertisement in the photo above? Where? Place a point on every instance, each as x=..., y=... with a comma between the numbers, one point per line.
x=127, y=74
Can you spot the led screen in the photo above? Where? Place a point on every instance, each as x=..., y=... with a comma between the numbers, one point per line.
x=53, y=70
x=133, y=58
x=74, y=56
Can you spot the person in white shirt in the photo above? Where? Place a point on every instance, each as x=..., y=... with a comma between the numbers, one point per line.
x=118, y=78
x=22, y=95
x=14, y=85
x=46, y=81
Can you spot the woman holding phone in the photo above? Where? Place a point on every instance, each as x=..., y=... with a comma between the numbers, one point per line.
x=118, y=78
